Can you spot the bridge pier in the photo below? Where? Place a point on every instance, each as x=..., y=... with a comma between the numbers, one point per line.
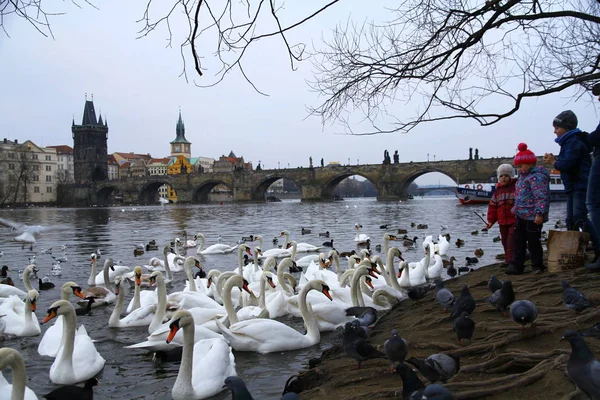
x=312, y=193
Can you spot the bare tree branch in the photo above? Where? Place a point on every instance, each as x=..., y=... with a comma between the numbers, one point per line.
x=457, y=59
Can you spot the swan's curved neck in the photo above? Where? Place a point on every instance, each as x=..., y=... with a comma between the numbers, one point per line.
x=167, y=268
x=66, y=360
x=136, y=298
x=294, y=250
x=184, y=377
x=190, y=276
x=356, y=295
x=338, y=267
x=261, y=299
x=346, y=278
x=281, y=279
x=26, y=280
x=65, y=293
x=384, y=271
x=227, y=303
x=113, y=321
x=312, y=328
x=200, y=246
x=18, y=378
x=287, y=239
x=106, y=278
x=161, y=305
x=93, y=272
x=28, y=312
x=391, y=271
x=241, y=261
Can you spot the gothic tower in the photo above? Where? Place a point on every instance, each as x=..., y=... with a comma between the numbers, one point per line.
x=90, y=151
x=180, y=146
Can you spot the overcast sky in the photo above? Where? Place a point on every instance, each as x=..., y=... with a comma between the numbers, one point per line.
x=136, y=85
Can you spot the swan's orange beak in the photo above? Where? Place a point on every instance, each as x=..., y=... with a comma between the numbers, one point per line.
x=271, y=283
x=325, y=291
x=77, y=292
x=138, y=279
x=152, y=280
x=372, y=273
x=375, y=269
x=51, y=314
x=174, y=327
x=400, y=273
x=117, y=289
x=33, y=306
x=369, y=283
x=249, y=252
x=247, y=288
x=392, y=237
x=209, y=282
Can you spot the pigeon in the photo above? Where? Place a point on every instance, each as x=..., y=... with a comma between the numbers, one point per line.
x=464, y=327
x=356, y=346
x=410, y=381
x=573, y=298
x=594, y=331
x=436, y=367
x=366, y=316
x=503, y=297
x=494, y=283
x=418, y=292
x=523, y=312
x=74, y=392
x=238, y=388
x=582, y=367
x=464, y=302
x=443, y=296
x=433, y=392
x=395, y=349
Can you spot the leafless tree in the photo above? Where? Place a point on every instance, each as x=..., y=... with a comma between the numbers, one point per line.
x=18, y=172
x=452, y=59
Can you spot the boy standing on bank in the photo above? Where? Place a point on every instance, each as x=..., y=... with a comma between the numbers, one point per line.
x=532, y=202
x=500, y=209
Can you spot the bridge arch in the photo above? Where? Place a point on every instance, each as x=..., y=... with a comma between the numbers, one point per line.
x=412, y=177
x=331, y=184
x=259, y=190
x=148, y=193
x=201, y=192
x=104, y=195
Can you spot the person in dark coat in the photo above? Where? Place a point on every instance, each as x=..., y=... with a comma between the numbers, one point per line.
x=500, y=209
x=593, y=187
x=574, y=163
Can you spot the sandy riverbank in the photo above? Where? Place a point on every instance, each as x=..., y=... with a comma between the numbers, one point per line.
x=500, y=363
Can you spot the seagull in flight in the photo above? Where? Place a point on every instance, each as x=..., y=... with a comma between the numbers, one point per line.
x=27, y=233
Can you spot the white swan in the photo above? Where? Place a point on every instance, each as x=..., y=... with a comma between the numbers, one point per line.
x=218, y=248
x=141, y=316
x=102, y=295
x=19, y=317
x=9, y=290
x=244, y=313
x=204, y=364
x=98, y=278
x=30, y=269
x=77, y=359
x=161, y=306
x=17, y=390
x=435, y=271
x=360, y=238
x=50, y=342
x=301, y=247
x=267, y=335
x=169, y=262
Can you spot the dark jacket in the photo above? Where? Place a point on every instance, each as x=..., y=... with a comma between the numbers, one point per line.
x=502, y=203
x=532, y=194
x=594, y=139
x=574, y=160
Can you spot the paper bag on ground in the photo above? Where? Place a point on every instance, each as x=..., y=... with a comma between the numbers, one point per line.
x=566, y=250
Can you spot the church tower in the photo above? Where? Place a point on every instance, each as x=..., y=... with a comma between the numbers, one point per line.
x=180, y=146
x=90, y=150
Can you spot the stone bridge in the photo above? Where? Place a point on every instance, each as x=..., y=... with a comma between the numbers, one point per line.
x=315, y=184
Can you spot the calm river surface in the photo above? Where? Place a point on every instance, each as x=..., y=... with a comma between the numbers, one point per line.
x=131, y=374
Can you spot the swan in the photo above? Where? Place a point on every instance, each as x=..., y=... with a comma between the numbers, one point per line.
x=77, y=359
x=360, y=238
x=50, y=342
x=98, y=279
x=267, y=335
x=386, y=242
x=277, y=302
x=408, y=278
x=102, y=295
x=136, y=301
x=9, y=290
x=188, y=244
x=17, y=390
x=219, y=248
x=277, y=252
x=301, y=247
x=19, y=317
x=139, y=317
x=204, y=364
x=435, y=271
x=167, y=264
x=30, y=269
x=247, y=312
x=443, y=245
x=161, y=306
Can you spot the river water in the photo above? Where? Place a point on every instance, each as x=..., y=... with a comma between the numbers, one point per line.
x=131, y=374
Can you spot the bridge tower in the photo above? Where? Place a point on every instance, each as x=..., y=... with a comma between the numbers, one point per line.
x=180, y=146
x=90, y=150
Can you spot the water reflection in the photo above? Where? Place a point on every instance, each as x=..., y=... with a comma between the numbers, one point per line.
x=131, y=374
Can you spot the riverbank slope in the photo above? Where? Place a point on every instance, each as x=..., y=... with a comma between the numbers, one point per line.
x=500, y=363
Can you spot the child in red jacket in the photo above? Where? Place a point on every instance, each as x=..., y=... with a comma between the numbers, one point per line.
x=500, y=209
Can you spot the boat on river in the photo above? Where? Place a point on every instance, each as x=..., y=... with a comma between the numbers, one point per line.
x=481, y=193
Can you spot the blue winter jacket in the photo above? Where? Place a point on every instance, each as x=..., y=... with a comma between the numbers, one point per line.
x=594, y=138
x=574, y=160
x=532, y=194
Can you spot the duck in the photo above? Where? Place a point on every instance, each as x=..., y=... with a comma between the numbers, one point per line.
x=475, y=232
x=11, y=358
x=471, y=260
x=459, y=242
x=324, y=234
x=4, y=271
x=478, y=252
x=20, y=317
x=204, y=364
x=408, y=241
x=45, y=284
x=77, y=359
x=7, y=281
x=422, y=226
x=306, y=231
x=385, y=226
x=50, y=342
x=138, y=252
x=496, y=239
x=328, y=243
x=250, y=335
x=449, y=262
x=402, y=231
x=85, y=311
x=74, y=392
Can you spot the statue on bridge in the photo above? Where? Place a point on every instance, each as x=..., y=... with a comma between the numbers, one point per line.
x=258, y=167
x=322, y=163
x=396, y=157
x=477, y=154
x=386, y=157
x=470, y=153
x=310, y=162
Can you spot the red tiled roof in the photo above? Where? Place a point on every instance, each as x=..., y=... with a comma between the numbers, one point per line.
x=134, y=156
x=62, y=149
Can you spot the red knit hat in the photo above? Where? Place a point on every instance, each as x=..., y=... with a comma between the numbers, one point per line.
x=524, y=156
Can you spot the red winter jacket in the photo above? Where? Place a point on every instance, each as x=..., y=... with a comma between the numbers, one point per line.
x=501, y=204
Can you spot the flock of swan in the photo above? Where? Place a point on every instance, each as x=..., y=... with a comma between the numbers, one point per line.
x=208, y=319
